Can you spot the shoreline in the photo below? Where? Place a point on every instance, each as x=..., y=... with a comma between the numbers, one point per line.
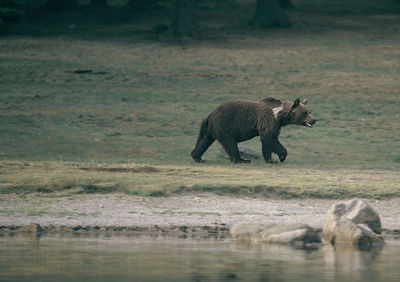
x=194, y=232
x=199, y=215
x=220, y=232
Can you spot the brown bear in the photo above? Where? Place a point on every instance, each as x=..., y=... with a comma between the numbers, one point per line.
x=235, y=121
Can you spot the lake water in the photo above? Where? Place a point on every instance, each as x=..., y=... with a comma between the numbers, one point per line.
x=117, y=258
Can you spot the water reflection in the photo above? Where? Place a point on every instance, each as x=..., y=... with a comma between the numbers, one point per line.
x=58, y=258
x=350, y=258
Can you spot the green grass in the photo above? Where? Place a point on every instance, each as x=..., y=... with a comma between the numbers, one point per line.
x=144, y=101
x=254, y=180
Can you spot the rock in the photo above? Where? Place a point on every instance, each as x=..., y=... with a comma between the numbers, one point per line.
x=360, y=212
x=275, y=233
x=352, y=222
x=31, y=228
x=244, y=151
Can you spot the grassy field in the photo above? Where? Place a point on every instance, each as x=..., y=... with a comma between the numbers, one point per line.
x=130, y=122
x=67, y=178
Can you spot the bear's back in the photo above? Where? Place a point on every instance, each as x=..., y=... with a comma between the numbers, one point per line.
x=236, y=109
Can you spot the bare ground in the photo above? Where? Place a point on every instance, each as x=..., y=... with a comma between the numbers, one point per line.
x=201, y=214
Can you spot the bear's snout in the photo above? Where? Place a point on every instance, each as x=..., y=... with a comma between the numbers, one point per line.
x=310, y=123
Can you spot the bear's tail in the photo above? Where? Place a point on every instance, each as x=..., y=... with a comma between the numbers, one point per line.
x=200, y=148
x=203, y=130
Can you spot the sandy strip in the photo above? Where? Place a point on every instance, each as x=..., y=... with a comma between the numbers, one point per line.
x=184, y=213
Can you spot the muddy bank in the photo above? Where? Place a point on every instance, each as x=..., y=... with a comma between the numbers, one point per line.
x=200, y=232
x=201, y=215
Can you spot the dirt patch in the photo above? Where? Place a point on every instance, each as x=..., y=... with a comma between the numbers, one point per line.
x=144, y=169
x=212, y=75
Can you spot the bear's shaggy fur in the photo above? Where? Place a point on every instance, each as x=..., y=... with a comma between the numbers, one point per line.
x=235, y=121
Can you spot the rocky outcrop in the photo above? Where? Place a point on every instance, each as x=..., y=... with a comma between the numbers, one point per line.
x=352, y=222
x=274, y=233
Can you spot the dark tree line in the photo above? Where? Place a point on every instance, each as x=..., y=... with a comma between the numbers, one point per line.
x=62, y=5
x=269, y=13
x=13, y=10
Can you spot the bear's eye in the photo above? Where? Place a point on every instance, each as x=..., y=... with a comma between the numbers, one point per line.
x=304, y=113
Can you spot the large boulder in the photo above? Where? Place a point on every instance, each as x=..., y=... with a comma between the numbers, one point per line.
x=274, y=233
x=352, y=222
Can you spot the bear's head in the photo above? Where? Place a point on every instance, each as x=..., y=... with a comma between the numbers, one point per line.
x=299, y=114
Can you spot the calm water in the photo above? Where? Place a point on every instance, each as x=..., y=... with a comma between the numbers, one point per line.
x=50, y=258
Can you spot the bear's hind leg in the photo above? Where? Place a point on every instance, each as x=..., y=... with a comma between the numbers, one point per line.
x=231, y=148
x=202, y=145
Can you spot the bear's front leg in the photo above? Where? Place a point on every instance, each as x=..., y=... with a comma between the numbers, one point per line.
x=267, y=146
x=280, y=150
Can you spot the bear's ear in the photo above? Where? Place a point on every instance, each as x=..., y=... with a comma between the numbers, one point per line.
x=295, y=104
x=305, y=102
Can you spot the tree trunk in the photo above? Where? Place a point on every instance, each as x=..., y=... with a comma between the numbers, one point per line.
x=184, y=23
x=270, y=14
x=286, y=4
x=59, y=5
x=98, y=4
x=140, y=5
